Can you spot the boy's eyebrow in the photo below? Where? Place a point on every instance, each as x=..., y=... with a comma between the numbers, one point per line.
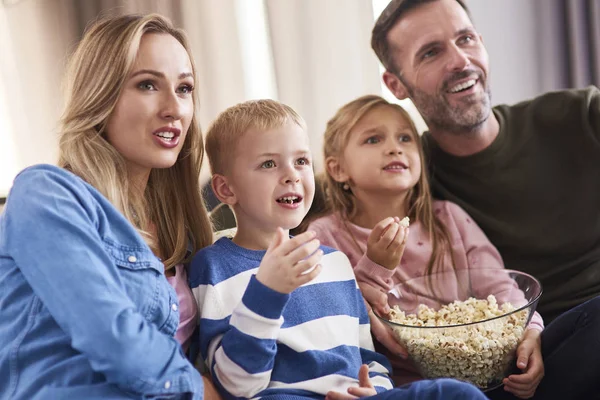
x=159, y=74
x=278, y=154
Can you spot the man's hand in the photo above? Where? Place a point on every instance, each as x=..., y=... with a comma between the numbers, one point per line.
x=382, y=333
x=386, y=242
x=290, y=263
x=364, y=389
x=529, y=360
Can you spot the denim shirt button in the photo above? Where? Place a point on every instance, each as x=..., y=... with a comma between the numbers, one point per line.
x=132, y=259
x=167, y=384
x=174, y=307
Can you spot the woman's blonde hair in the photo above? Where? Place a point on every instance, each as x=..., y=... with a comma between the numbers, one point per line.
x=343, y=202
x=172, y=200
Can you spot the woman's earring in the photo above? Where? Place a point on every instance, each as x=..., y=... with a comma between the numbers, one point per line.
x=345, y=186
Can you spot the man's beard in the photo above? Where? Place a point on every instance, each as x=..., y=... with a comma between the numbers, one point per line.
x=463, y=118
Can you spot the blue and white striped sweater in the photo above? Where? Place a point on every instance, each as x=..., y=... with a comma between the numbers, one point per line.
x=259, y=342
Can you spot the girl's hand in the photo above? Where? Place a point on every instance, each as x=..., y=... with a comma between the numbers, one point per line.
x=383, y=334
x=386, y=243
x=290, y=263
x=529, y=360
x=364, y=388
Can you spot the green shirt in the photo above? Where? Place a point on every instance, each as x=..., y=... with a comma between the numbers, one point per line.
x=535, y=192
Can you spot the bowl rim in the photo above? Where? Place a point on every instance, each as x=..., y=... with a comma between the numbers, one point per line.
x=505, y=270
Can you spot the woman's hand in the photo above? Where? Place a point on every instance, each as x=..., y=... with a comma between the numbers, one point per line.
x=530, y=361
x=386, y=243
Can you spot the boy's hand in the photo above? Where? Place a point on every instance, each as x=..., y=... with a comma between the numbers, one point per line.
x=530, y=361
x=364, y=388
x=289, y=263
x=386, y=243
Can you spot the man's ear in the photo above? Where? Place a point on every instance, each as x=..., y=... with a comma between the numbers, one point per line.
x=336, y=170
x=395, y=85
x=223, y=190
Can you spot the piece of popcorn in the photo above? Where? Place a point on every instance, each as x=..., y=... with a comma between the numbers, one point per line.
x=405, y=222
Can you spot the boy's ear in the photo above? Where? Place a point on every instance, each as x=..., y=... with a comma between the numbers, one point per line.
x=222, y=190
x=395, y=85
x=336, y=170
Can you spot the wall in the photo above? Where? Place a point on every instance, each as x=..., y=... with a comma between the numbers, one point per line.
x=521, y=65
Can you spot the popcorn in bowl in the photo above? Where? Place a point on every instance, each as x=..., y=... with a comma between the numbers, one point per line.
x=478, y=354
x=467, y=334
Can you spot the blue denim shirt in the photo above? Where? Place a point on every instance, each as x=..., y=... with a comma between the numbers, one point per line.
x=85, y=309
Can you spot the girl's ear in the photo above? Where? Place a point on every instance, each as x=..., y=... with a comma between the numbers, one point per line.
x=336, y=170
x=223, y=190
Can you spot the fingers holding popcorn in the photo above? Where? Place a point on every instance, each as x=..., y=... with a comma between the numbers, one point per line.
x=385, y=245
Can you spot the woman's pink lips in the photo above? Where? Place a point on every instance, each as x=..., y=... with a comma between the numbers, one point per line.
x=168, y=144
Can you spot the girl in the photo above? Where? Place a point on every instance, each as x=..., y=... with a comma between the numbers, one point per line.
x=375, y=178
x=85, y=247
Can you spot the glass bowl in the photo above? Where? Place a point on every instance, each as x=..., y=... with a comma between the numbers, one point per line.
x=451, y=334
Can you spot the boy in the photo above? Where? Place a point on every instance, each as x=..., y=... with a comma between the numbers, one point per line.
x=283, y=316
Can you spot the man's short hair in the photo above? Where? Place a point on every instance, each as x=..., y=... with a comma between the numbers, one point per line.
x=229, y=127
x=386, y=21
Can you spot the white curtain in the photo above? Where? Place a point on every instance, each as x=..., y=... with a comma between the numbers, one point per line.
x=322, y=57
x=314, y=56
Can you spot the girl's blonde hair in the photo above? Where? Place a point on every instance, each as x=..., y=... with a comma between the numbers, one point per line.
x=172, y=200
x=342, y=201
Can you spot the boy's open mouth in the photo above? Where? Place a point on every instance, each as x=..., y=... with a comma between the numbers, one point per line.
x=289, y=199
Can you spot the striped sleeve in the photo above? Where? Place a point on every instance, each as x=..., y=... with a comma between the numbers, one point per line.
x=252, y=329
x=379, y=366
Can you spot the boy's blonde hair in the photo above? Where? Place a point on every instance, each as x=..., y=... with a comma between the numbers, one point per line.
x=343, y=202
x=96, y=74
x=225, y=132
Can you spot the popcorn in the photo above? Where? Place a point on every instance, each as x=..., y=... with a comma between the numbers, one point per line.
x=477, y=353
x=405, y=222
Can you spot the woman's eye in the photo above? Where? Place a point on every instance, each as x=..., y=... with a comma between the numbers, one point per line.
x=268, y=164
x=147, y=85
x=186, y=89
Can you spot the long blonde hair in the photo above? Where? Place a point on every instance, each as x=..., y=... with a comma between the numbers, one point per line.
x=343, y=202
x=172, y=200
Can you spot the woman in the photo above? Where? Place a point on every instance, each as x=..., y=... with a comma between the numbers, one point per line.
x=85, y=247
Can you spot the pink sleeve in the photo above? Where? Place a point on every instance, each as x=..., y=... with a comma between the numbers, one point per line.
x=481, y=253
x=365, y=270
x=325, y=233
x=374, y=274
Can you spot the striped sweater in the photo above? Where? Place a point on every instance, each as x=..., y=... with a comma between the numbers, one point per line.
x=259, y=342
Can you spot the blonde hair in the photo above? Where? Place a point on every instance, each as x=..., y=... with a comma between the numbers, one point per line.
x=172, y=200
x=225, y=132
x=342, y=201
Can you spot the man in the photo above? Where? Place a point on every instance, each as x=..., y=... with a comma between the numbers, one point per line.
x=528, y=174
